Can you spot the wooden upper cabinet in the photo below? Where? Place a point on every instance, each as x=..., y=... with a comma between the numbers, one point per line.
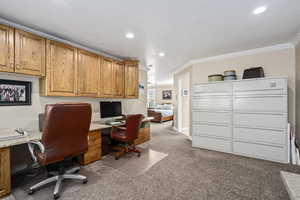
x=88, y=74
x=6, y=49
x=61, y=67
x=119, y=79
x=30, y=53
x=131, y=79
x=106, y=78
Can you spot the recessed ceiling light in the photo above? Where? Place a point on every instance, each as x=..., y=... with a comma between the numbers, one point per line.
x=161, y=54
x=259, y=10
x=129, y=35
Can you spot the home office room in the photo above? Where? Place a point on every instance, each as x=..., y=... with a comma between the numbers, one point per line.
x=155, y=100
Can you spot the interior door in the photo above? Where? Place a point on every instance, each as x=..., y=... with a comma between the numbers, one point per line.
x=88, y=73
x=6, y=49
x=30, y=51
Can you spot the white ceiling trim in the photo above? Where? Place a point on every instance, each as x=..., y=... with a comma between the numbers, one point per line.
x=235, y=54
x=51, y=37
x=296, y=39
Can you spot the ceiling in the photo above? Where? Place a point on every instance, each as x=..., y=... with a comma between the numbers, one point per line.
x=184, y=30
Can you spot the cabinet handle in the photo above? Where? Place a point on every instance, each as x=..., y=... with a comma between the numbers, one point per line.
x=12, y=65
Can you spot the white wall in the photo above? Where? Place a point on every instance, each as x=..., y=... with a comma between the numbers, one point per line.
x=27, y=116
x=185, y=78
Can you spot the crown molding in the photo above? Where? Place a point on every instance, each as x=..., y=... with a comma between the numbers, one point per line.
x=51, y=37
x=296, y=39
x=236, y=54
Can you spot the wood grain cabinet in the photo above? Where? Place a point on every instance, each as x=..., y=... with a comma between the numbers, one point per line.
x=106, y=78
x=132, y=79
x=119, y=79
x=88, y=74
x=30, y=53
x=61, y=65
x=94, y=148
x=6, y=49
x=5, y=187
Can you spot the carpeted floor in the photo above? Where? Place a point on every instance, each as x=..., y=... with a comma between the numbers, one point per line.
x=170, y=168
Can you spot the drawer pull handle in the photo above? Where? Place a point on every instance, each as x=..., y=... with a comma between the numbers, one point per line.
x=273, y=84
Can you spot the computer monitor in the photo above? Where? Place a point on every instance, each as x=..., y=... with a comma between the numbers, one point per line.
x=110, y=109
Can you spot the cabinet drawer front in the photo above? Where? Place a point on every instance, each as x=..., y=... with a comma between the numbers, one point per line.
x=212, y=130
x=213, y=103
x=276, y=121
x=212, y=88
x=261, y=151
x=265, y=86
x=212, y=143
x=212, y=117
x=260, y=103
x=94, y=137
x=260, y=135
x=93, y=154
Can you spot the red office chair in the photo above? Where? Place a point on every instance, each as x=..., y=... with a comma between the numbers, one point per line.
x=65, y=131
x=126, y=135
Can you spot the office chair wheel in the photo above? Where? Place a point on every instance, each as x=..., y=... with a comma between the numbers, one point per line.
x=30, y=192
x=55, y=196
x=139, y=155
x=116, y=158
x=84, y=181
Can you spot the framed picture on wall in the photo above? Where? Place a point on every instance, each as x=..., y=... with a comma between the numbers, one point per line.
x=15, y=93
x=185, y=92
x=167, y=94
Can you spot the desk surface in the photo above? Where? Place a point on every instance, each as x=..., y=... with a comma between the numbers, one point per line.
x=37, y=135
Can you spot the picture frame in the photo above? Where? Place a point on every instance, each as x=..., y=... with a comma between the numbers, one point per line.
x=15, y=93
x=185, y=92
x=167, y=94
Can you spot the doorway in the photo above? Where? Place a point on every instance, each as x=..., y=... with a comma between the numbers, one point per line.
x=183, y=103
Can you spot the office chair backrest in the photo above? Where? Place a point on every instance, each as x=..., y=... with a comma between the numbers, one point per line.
x=133, y=123
x=65, y=130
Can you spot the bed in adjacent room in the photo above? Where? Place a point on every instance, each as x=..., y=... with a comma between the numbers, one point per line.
x=161, y=113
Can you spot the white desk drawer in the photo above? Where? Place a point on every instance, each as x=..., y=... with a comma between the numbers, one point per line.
x=274, y=103
x=212, y=117
x=261, y=86
x=212, y=144
x=213, y=103
x=261, y=120
x=260, y=136
x=260, y=151
x=212, y=130
x=212, y=88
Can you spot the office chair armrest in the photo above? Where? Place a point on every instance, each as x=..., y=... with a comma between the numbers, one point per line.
x=32, y=144
x=121, y=128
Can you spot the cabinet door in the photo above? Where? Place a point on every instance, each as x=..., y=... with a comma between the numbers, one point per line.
x=106, y=73
x=119, y=81
x=5, y=182
x=88, y=74
x=61, y=70
x=6, y=49
x=131, y=79
x=30, y=53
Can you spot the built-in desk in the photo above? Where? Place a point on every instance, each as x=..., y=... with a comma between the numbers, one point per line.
x=93, y=154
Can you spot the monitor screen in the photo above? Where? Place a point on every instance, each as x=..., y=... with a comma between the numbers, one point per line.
x=110, y=109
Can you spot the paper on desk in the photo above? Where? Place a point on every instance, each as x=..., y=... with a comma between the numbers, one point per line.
x=10, y=134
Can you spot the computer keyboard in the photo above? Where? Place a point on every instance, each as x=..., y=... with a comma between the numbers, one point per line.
x=115, y=123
